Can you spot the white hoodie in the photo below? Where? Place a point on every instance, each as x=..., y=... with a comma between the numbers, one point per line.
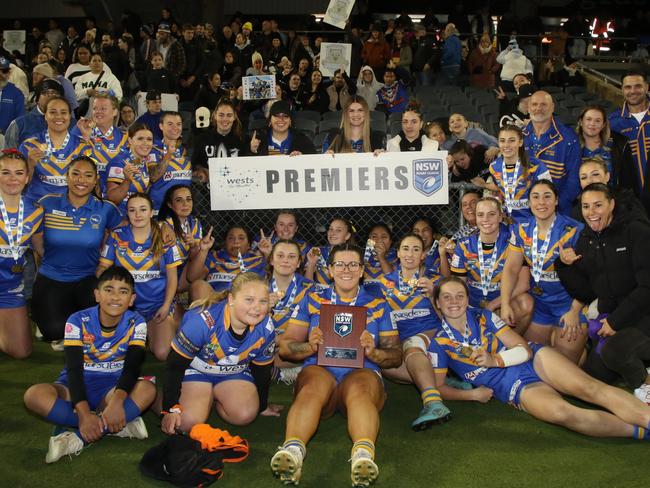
x=368, y=92
x=514, y=62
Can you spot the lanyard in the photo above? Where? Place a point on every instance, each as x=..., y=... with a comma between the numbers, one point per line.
x=510, y=185
x=333, y=298
x=49, y=151
x=286, y=301
x=433, y=248
x=97, y=134
x=539, y=256
x=14, y=245
x=368, y=253
x=447, y=329
x=240, y=260
x=486, y=269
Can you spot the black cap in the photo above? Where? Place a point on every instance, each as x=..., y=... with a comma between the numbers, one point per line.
x=526, y=90
x=153, y=95
x=49, y=84
x=280, y=107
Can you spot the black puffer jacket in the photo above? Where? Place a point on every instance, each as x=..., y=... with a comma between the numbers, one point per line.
x=614, y=268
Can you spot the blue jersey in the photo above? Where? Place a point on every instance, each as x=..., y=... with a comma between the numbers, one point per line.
x=150, y=276
x=603, y=152
x=378, y=323
x=372, y=267
x=558, y=148
x=205, y=337
x=49, y=174
x=411, y=311
x=432, y=264
x=177, y=172
x=638, y=137
x=223, y=268
x=191, y=227
x=105, y=147
x=11, y=274
x=485, y=330
x=321, y=276
x=284, y=309
x=564, y=233
x=73, y=236
x=465, y=262
x=516, y=196
x=141, y=182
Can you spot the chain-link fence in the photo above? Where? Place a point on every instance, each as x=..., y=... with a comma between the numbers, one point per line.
x=313, y=222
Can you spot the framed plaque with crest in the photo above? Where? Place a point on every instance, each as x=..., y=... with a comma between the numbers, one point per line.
x=342, y=326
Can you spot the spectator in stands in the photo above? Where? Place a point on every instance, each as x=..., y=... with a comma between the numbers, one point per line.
x=598, y=140
x=127, y=116
x=54, y=35
x=224, y=139
x=80, y=65
x=556, y=145
x=33, y=122
x=468, y=163
x=304, y=70
x=151, y=118
x=244, y=51
x=280, y=138
x=59, y=56
x=226, y=40
x=171, y=49
x=12, y=101
x=514, y=62
x=98, y=80
x=210, y=93
x=277, y=51
x=147, y=44
x=230, y=71
x=295, y=92
x=70, y=43
x=302, y=49
x=340, y=91
x=436, y=131
x=514, y=111
x=424, y=56
x=411, y=137
x=482, y=64
x=316, y=97
x=355, y=134
x=460, y=130
x=368, y=86
x=157, y=77
x=568, y=75
x=257, y=67
x=90, y=41
x=189, y=80
x=376, y=51
x=401, y=53
x=393, y=96
x=113, y=57
x=450, y=57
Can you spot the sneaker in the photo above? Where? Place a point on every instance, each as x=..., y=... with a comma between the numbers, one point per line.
x=287, y=465
x=134, y=430
x=38, y=334
x=364, y=469
x=57, y=345
x=431, y=413
x=643, y=393
x=457, y=383
x=65, y=444
x=288, y=376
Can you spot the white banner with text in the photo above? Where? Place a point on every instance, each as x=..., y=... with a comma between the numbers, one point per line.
x=324, y=180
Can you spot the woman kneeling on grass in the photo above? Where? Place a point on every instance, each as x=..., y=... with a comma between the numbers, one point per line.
x=480, y=348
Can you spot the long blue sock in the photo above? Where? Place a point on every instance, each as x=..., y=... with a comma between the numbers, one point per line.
x=131, y=410
x=63, y=414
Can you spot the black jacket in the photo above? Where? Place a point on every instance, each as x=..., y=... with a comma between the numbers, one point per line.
x=300, y=142
x=211, y=144
x=614, y=268
x=625, y=200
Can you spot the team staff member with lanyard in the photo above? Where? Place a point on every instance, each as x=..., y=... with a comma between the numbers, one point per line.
x=320, y=391
x=75, y=224
x=536, y=242
x=609, y=263
x=128, y=172
x=101, y=133
x=478, y=346
x=98, y=392
x=50, y=152
x=173, y=165
x=222, y=354
x=339, y=231
x=556, y=145
x=139, y=248
x=479, y=260
x=20, y=228
x=280, y=138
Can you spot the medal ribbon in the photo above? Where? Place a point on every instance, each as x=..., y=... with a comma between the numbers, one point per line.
x=14, y=245
x=288, y=299
x=367, y=254
x=406, y=288
x=510, y=185
x=433, y=248
x=240, y=260
x=96, y=133
x=487, y=269
x=539, y=256
x=448, y=331
x=50, y=146
x=333, y=298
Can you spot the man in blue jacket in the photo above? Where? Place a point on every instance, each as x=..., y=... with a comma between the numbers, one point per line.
x=450, y=58
x=12, y=100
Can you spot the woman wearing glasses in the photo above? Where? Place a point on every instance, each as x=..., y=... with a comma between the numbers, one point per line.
x=320, y=391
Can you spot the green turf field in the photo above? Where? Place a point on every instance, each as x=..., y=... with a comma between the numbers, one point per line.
x=484, y=445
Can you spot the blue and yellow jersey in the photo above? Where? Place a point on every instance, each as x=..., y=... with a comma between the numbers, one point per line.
x=177, y=172
x=73, y=236
x=564, y=233
x=150, y=276
x=465, y=262
x=485, y=328
x=192, y=227
x=432, y=265
x=141, y=182
x=32, y=224
x=321, y=276
x=378, y=323
x=223, y=268
x=205, y=337
x=638, y=136
x=104, y=352
x=642, y=147
x=411, y=311
x=49, y=174
x=518, y=208
x=372, y=267
x=603, y=152
x=283, y=310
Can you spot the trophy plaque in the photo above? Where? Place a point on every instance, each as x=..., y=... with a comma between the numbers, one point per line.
x=342, y=326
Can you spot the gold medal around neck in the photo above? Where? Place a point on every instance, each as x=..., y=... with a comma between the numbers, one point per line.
x=279, y=294
x=316, y=251
x=17, y=268
x=466, y=351
x=537, y=291
x=371, y=243
x=413, y=282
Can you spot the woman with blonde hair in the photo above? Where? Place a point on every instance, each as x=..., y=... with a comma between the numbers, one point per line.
x=354, y=134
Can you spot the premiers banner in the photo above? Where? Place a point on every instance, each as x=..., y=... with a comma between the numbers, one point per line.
x=323, y=180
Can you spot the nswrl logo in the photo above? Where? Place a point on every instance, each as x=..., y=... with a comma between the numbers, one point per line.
x=427, y=175
x=343, y=324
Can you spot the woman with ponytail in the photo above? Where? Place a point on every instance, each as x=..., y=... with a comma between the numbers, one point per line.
x=412, y=137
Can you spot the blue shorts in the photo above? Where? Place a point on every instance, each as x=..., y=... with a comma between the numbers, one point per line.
x=511, y=384
x=192, y=374
x=13, y=298
x=549, y=313
x=97, y=386
x=149, y=313
x=340, y=373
